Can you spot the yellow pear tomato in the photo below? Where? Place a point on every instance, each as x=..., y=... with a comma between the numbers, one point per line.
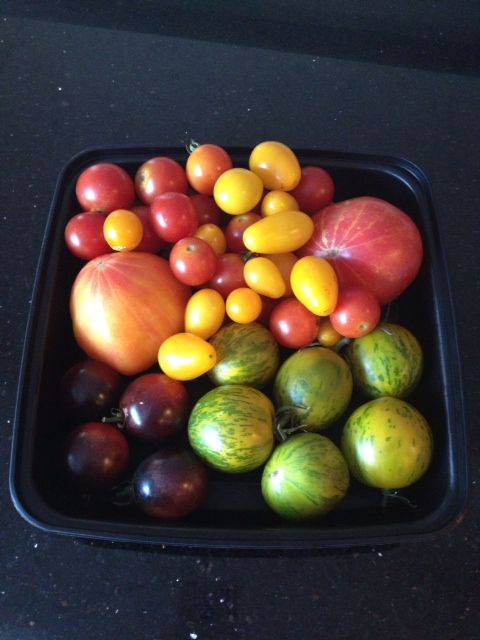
x=243, y=305
x=284, y=262
x=276, y=201
x=284, y=232
x=264, y=277
x=276, y=165
x=314, y=282
x=204, y=313
x=237, y=191
x=185, y=356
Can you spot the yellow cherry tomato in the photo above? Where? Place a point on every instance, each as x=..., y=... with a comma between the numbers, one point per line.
x=185, y=356
x=264, y=277
x=315, y=284
x=284, y=262
x=215, y=237
x=327, y=336
x=276, y=165
x=284, y=232
x=204, y=313
x=123, y=230
x=237, y=191
x=243, y=305
x=276, y=201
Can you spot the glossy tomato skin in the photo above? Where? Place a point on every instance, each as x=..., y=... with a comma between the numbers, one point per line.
x=84, y=235
x=276, y=165
x=263, y=276
x=228, y=275
x=151, y=242
x=159, y=175
x=207, y=210
x=292, y=324
x=283, y=232
x=235, y=229
x=205, y=164
x=186, y=356
x=315, y=284
x=369, y=242
x=205, y=313
x=243, y=305
x=238, y=191
x=123, y=230
x=173, y=216
x=193, y=261
x=215, y=237
x=276, y=201
x=103, y=296
x=105, y=187
x=315, y=189
x=357, y=312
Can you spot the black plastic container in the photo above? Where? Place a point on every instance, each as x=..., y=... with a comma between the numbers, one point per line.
x=235, y=515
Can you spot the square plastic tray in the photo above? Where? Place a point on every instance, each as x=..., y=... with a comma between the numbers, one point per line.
x=234, y=515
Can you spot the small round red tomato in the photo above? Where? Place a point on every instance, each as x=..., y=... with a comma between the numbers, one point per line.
x=293, y=325
x=205, y=164
x=228, y=275
x=151, y=242
x=84, y=235
x=159, y=175
x=315, y=189
x=173, y=216
x=105, y=187
x=123, y=230
x=235, y=228
x=192, y=261
x=357, y=312
x=207, y=210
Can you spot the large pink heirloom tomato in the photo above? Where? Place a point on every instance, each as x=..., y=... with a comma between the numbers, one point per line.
x=369, y=242
x=123, y=306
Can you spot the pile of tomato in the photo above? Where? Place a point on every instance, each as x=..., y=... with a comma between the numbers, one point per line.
x=176, y=253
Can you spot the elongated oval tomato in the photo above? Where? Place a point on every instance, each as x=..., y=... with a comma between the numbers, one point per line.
x=264, y=277
x=204, y=313
x=314, y=283
x=185, y=356
x=284, y=262
x=276, y=165
x=281, y=233
x=123, y=305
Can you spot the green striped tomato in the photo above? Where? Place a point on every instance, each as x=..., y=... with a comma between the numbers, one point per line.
x=231, y=428
x=387, y=443
x=246, y=354
x=386, y=362
x=306, y=477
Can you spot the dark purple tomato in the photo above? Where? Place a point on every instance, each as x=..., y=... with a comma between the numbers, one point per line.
x=155, y=407
x=89, y=390
x=207, y=209
x=95, y=456
x=228, y=275
x=171, y=483
x=84, y=235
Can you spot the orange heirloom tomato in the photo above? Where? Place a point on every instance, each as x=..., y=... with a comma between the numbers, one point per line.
x=284, y=232
x=314, y=282
x=185, y=356
x=327, y=336
x=276, y=165
x=204, y=313
x=215, y=237
x=264, y=277
x=123, y=230
x=275, y=201
x=243, y=305
x=237, y=191
x=284, y=262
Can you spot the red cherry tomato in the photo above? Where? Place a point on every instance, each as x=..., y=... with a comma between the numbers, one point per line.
x=173, y=216
x=315, y=189
x=151, y=242
x=207, y=209
x=105, y=187
x=84, y=235
x=193, y=261
x=205, y=164
x=357, y=312
x=235, y=228
x=293, y=325
x=228, y=275
x=157, y=176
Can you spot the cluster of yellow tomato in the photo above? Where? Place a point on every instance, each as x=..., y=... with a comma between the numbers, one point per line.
x=274, y=273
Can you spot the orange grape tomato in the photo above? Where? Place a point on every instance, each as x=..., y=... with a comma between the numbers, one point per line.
x=276, y=165
x=123, y=230
x=276, y=201
x=314, y=282
x=204, y=313
x=237, y=191
x=214, y=236
x=243, y=305
x=185, y=356
x=263, y=276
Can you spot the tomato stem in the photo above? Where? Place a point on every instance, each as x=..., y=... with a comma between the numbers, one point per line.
x=192, y=145
x=286, y=421
x=392, y=495
x=117, y=418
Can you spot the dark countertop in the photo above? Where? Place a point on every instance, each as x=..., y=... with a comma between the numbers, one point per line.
x=67, y=85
